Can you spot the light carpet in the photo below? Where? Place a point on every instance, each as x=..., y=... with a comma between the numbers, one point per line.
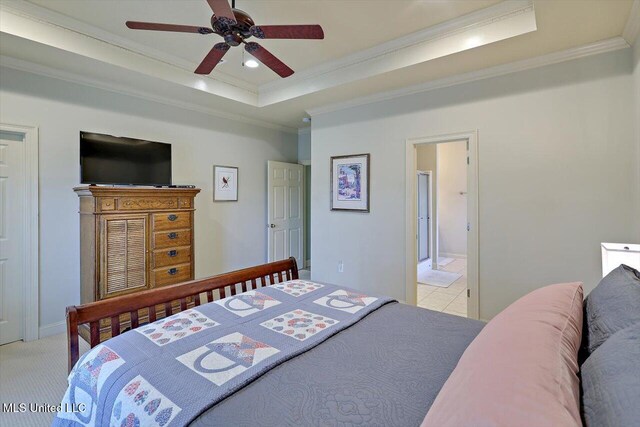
x=440, y=278
x=33, y=372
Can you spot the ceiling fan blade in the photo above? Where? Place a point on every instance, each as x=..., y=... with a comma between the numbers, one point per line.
x=287, y=31
x=154, y=26
x=267, y=58
x=223, y=11
x=212, y=59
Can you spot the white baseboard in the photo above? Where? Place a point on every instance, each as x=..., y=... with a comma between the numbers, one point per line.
x=452, y=255
x=52, y=329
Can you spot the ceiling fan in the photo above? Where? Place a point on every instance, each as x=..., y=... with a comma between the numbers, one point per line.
x=236, y=26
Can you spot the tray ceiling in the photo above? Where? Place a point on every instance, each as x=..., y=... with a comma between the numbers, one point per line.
x=349, y=26
x=370, y=46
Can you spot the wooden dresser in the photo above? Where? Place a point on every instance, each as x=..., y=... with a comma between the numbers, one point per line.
x=132, y=239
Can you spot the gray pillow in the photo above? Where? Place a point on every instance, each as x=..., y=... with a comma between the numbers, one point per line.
x=612, y=306
x=611, y=381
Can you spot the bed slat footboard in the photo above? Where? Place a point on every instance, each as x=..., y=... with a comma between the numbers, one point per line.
x=172, y=299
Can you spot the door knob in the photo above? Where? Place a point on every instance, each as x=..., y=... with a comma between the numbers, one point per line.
x=271, y=226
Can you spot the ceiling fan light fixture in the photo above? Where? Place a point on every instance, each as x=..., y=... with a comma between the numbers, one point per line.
x=235, y=27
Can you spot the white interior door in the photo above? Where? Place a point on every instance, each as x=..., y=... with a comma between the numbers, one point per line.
x=423, y=217
x=285, y=211
x=12, y=236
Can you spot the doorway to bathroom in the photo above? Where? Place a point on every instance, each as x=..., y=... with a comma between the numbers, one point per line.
x=441, y=225
x=442, y=218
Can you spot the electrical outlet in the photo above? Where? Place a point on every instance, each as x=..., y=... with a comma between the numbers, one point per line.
x=340, y=266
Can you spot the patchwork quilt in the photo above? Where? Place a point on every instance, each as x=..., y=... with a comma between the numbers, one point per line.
x=170, y=371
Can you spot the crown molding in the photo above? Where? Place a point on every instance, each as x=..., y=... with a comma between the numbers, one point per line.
x=41, y=25
x=490, y=13
x=632, y=27
x=44, y=15
x=596, y=48
x=44, y=26
x=42, y=70
x=503, y=20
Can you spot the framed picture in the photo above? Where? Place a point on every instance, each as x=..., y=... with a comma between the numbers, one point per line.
x=225, y=184
x=350, y=183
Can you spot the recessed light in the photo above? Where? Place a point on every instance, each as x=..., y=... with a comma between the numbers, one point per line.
x=251, y=63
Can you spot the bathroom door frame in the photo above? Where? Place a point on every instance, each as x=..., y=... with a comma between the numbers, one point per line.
x=411, y=211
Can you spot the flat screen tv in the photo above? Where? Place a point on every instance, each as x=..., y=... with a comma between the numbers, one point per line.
x=111, y=160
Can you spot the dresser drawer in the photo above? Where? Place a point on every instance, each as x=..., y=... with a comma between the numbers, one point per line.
x=171, y=239
x=146, y=203
x=171, y=220
x=171, y=256
x=107, y=204
x=185, y=202
x=171, y=275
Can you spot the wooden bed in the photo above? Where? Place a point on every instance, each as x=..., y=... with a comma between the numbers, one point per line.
x=130, y=311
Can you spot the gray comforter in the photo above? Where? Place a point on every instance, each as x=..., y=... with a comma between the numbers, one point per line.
x=170, y=371
x=385, y=370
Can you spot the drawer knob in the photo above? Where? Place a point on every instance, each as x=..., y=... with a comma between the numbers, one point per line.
x=172, y=253
x=172, y=236
x=172, y=217
x=172, y=271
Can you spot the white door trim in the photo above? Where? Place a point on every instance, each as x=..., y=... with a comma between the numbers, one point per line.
x=411, y=246
x=31, y=243
x=304, y=215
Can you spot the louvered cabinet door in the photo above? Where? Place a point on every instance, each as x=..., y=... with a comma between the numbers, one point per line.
x=123, y=258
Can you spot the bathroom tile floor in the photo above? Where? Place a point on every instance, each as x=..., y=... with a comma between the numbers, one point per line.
x=452, y=300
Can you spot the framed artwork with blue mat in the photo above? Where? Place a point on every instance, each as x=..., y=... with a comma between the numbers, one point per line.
x=350, y=183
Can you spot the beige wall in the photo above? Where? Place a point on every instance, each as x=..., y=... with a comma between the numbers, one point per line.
x=227, y=235
x=426, y=158
x=452, y=206
x=558, y=167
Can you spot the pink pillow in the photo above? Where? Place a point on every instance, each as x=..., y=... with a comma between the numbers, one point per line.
x=521, y=370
